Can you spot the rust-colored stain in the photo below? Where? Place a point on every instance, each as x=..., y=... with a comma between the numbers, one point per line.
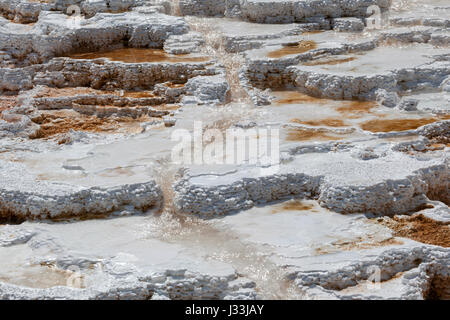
x=329, y=122
x=293, y=205
x=175, y=85
x=388, y=125
x=12, y=118
x=436, y=146
x=295, y=97
x=167, y=107
x=328, y=61
x=71, y=92
x=430, y=147
x=304, y=134
x=68, y=92
x=7, y=102
x=40, y=276
x=359, y=243
x=356, y=109
x=138, y=55
x=296, y=48
x=58, y=122
x=438, y=288
x=420, y=228
x=116, y=172
x=137, y=94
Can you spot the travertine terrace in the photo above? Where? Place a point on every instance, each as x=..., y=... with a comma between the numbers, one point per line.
x=95, y=93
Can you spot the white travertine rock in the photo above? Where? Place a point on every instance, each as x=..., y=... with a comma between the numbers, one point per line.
x=355, y=78
x=408, y=104
x=203, y=7
x=111, y=271
x=280, y=11
x=46, y=200
x=14, y=80
x=210, y=90
x=57, y=34
x=184, y=44
x=347, y=24
x=116, y=75
x=417, y=263
x=388, y=99
x=94, y=95
x=383, y=192
x=24, y=11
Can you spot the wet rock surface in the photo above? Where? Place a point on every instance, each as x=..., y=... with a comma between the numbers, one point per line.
x=349, y=201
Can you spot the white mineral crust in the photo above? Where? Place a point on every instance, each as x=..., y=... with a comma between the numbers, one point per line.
x=95, y=94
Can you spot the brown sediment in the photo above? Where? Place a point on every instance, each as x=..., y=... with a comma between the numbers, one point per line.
x=138, y=55
x=329, y=122
x=368, y=245
x=296, y=48
x=423, y=206
x=84, y=216
x=58, y=122
x=438, y=288
x=291, y=97
x=402, y=138
x=10, y=118
x=226, y=121
x=388, y=125
x=439, y=193
x=304, y=134
x=436, y=146
x=70, y=92
x=328, y=61
x=293, y=205
x=175, y=85
x=39, y=276
x=391, y=42
x=359, y=243
x=361, y=285
x=168, y=107
x=116, y=172
x=7, y=102
x=420, y=228
x=136, y=94
x=441, y=140
x=84, y=123
x=11, y=216
x=356, y=109
x=8, y=216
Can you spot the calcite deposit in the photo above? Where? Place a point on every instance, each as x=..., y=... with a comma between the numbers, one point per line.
x=224, y=149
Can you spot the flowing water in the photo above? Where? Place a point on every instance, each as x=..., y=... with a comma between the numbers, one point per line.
x=175, y=8
x=202, y=235
x=214, y=47
x=138, y=55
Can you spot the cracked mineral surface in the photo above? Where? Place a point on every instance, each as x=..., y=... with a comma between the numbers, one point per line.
x=348, y=201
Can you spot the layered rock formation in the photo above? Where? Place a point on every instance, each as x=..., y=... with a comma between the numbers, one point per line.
x=349, y=201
